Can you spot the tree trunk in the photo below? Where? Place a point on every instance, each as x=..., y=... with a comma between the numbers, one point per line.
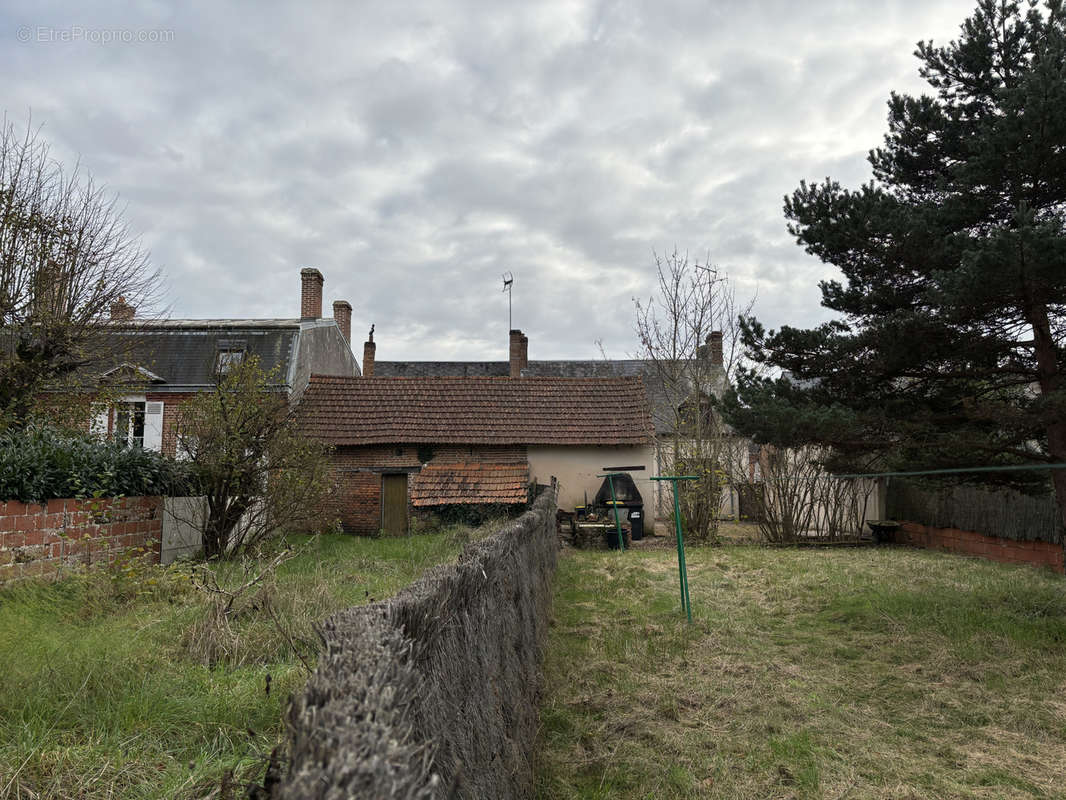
x=1049, y=376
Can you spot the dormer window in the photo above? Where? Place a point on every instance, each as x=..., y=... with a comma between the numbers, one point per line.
x=230, y=354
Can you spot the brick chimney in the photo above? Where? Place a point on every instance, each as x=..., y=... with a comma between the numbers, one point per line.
x=714, y=346
x=368, y=355
x=121, y=311
x=311, y=281
x=342, y=312
x=519, y=353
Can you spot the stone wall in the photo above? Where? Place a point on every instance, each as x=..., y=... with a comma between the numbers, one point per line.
x=433, y=693
x=38, y=540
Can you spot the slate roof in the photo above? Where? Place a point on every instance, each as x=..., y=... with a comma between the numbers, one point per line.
x=448, y=484
x=183, y=353
x=441, y=369
x=449, y=410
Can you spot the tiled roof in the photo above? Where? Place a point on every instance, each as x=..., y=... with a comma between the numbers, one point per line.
x=447, y=484
x=664, y=398
x=562, y=411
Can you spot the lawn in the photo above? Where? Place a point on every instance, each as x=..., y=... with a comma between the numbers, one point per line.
x=846, y=673
x=115, y=686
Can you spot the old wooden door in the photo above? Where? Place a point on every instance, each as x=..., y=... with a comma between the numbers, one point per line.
x=394, y=504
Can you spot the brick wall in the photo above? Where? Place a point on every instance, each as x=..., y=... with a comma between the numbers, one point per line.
x=37, y=540
x=357, y=474
x=1043, y=554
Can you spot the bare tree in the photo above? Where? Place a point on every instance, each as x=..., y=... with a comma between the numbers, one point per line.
x=66, y=257
x=796, y=499
x=259, y=475
x=689, y=335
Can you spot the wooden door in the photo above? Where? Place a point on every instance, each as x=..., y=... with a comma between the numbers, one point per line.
x=750, y=499
x=394, y=504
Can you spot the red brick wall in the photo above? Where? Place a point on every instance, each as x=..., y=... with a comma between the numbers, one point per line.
x=1043, y=554
x=39, y=539
x=357, y=474
x=171, y=410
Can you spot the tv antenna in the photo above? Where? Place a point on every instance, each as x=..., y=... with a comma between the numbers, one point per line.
x=508, y=282
x=712, y=279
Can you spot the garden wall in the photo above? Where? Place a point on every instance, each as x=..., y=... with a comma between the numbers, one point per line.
x=37, y=540
x=1041, y=554
x=1000, y=524
x=434, y=693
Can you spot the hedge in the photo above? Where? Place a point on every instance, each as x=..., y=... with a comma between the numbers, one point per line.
x=38, y=463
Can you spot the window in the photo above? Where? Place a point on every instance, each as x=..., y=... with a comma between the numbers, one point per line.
x=129, y=423
x=229, y=355
x=137, y=423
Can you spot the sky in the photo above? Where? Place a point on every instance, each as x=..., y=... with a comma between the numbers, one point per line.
x=415, y=151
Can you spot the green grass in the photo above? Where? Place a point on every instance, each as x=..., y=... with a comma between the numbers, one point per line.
x=858, y=673
x=106, y=693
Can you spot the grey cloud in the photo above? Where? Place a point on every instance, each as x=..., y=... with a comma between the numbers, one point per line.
x=414, y=151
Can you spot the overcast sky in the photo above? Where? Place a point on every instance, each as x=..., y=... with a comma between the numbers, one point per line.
x=415, y=151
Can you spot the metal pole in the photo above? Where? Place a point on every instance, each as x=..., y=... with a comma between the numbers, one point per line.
x=682, y=566
x=617, y=524
x=614, y=503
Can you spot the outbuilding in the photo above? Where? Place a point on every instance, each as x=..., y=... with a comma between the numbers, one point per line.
x=401, y=444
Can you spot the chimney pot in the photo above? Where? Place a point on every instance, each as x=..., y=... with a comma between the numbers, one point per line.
x=121, y=311
x=369, y=349
x=519, y=353
x=342, y=312
x=311, y=281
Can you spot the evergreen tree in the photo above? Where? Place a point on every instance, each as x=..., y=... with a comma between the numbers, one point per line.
x=949, y=346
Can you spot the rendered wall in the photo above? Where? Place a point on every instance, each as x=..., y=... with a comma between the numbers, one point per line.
x=577, y=467
x=433, y=693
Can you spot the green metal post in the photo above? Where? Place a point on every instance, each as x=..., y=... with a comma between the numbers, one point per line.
x=617, y=524
x=682, y=567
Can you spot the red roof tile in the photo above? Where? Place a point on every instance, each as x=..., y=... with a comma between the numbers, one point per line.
x=446, y=484
x=550, y=411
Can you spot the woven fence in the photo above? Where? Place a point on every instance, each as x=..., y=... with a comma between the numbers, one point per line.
x=1003, y=513
x=433, y=693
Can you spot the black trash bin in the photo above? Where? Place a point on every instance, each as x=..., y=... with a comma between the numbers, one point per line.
x=636, y=523
x=610, y=536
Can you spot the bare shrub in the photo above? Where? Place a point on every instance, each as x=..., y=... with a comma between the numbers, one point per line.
x=247, y=618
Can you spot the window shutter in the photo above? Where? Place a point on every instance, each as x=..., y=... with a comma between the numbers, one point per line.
x=153, y=426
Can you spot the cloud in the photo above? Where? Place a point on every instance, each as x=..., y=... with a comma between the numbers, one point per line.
x=415, y=151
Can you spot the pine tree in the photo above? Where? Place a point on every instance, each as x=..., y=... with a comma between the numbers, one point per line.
x=948, y=349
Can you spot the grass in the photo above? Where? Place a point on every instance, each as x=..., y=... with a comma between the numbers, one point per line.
x=106, y=693
x=857, y=673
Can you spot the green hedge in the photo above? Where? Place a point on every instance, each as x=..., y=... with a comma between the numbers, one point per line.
x=39, y=463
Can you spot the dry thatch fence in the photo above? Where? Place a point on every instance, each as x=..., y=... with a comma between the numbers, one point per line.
x=1002, y=513
x=434, y=692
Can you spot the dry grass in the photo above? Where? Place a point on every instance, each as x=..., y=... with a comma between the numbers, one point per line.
x=861, y=673
x=123, y=690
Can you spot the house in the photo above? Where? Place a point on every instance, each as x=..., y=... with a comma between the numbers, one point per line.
x=666, y=384
x=420, y=442
x=152, y=366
